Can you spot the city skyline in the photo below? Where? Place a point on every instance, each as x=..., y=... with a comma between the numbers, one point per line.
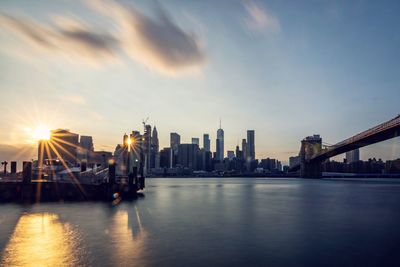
x=272, y=71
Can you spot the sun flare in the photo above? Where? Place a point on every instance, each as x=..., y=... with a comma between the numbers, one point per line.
x=41, y=132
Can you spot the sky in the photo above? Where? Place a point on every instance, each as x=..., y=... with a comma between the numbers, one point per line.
x=286, y=69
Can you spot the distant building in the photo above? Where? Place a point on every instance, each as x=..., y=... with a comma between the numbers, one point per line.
x=207, y=161
x=230, y=154
x=165, y=157
x=293, y=161
x=244, y=149
x=278, y=166
x=250, y=149
x=220, y=144
x=196, y=141
x=269, y=164
x=353, y=156
x=62, y=145
x=85, y=148
x=206, y=142
x=392, y=166
x=188, y=156
x=175, y=141
x=154, y=150
x=238, y=153
x=86, y=142
x=146, y=147
x=129, y=154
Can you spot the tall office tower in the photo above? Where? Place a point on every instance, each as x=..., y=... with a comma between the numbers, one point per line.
x=244, y=149
x=238, y=153
x=206, y=142
x=85, y=149
x=353, y=156
x=62, y=145
x=146, y=147
x=220, y=143
x=250, y=149
x=125, y=140
x=188, y=156
x=279, y=165
x=196, y=141
x=175, y=141
x=86, y=142
x=165, y=155
x=136, y=156
x=154, y=154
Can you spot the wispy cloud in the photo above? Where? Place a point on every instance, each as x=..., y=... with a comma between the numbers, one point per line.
x=74, y=40
x=157, y=42
x=259, y=18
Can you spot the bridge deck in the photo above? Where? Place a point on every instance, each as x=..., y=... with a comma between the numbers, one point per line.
x=379, y=133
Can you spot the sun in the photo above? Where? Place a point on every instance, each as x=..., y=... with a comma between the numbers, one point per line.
x=41, y=132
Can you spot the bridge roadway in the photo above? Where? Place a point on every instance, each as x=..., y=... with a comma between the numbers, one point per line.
x=379, y=133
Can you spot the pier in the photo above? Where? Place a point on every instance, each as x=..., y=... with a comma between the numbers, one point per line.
x=102, y=186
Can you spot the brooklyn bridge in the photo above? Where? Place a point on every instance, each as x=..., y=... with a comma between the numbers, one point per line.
x=312, y=153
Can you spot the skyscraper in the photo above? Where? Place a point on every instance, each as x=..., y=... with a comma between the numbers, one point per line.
x=154, y=154
x=196, y=141
x=220, y=144
x=188, y=156
x=244, y=149
x=353, y=156
x=175, y=141
x=85, y=149
x=146, y=147
x=250, y=149
x=206, y=142
x=86, y=142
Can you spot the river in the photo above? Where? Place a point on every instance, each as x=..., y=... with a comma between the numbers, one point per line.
x=214, y=222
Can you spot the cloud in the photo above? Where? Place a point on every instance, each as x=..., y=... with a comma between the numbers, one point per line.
x=261, y=19
x=156, y=42
x=159, y=43
x=73, y=40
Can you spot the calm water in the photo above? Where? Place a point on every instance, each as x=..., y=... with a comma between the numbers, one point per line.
x=214, y=222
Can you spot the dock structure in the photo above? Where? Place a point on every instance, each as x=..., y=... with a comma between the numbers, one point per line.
x=103, y=185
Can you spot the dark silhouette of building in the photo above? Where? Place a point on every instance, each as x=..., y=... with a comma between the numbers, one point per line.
x=165, y=157
x=62, y=145
x=206, y=142
x=251, y=154
x=244, y=149
x=196, y=141
x=188, y=156
x=175, y=141
x=220, y=144
x=154, y=150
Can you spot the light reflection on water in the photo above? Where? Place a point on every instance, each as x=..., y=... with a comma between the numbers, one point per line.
x=213, y=222
x=42, y=240
x=127, y=244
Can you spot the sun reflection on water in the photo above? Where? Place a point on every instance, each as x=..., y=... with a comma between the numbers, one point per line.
x=128, y=239
x=41, y=240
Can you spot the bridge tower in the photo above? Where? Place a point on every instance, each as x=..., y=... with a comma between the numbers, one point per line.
x=310, y=146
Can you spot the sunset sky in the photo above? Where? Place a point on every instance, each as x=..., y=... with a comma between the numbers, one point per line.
x=286, y=69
